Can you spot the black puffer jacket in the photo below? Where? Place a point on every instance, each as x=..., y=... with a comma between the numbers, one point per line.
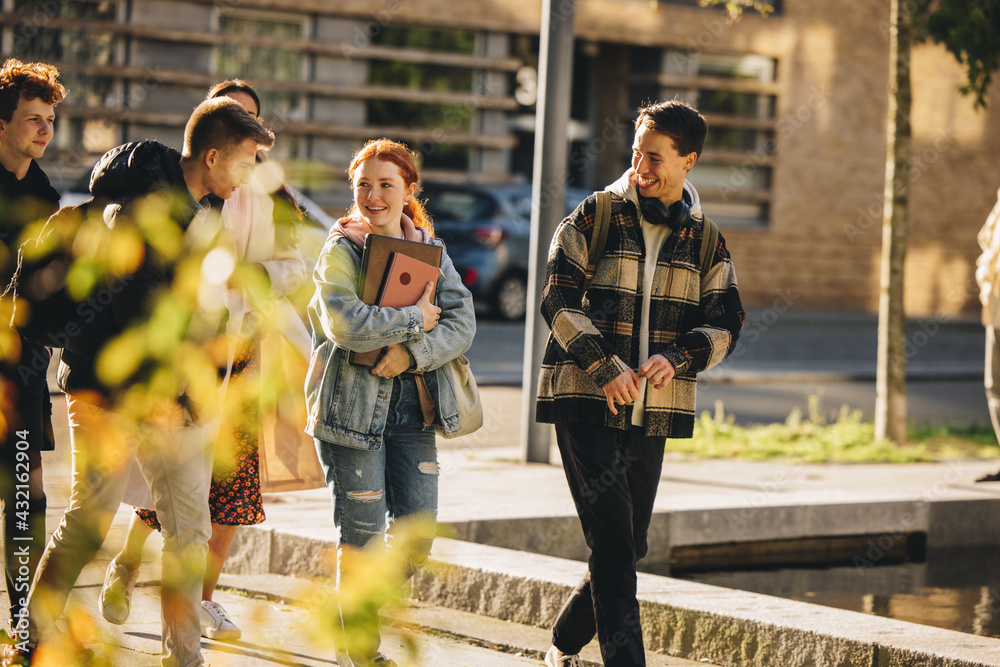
x=23, y=202
x=123, y=175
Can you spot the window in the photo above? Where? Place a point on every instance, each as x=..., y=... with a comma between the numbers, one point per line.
x=776, y=4
x=394, y=74
x=259, y=63
x=736, y=95
x=35, y=40
x=447, y=80
x=426, y=39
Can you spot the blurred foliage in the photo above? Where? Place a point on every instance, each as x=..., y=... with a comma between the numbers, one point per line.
x=171, y=364
x=735, y=7
x=970, y=31
x=347, y=617
x=69, y=649
x=846, y=438
x=10, y=344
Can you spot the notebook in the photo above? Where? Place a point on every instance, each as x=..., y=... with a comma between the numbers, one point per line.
x=377, y=253
x=405, y=281
x=378, y=250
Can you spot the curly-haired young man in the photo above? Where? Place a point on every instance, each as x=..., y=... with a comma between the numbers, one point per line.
x=29, y=93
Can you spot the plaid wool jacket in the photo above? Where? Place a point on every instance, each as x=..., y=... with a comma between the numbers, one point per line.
x=694, y=321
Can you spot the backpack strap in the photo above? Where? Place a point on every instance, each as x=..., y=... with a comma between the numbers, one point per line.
x=709, y=240
x=602, y=223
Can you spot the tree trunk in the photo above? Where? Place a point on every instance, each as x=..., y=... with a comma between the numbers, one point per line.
x=890, y=401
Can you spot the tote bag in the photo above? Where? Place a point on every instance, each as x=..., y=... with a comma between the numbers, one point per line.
x=470, y=408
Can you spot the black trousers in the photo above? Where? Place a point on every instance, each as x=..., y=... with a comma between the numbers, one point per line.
x=26, y=431
x=612, y=477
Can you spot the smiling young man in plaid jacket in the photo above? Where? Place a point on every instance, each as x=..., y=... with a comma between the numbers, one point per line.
x=619, y=373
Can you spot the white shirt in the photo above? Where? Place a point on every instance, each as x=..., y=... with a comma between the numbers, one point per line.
x=654, y=236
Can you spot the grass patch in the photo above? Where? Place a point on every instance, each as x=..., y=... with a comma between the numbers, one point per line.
x=846, y=439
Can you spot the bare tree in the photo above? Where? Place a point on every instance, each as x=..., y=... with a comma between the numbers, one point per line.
x=890, y=382
x=969, y=29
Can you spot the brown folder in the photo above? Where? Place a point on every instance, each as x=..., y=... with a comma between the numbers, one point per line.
x=378, y=251
x=405, y=281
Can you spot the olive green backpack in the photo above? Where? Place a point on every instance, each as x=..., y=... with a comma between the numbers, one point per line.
x=602, y=222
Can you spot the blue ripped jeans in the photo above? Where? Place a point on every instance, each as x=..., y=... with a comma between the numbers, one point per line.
x=400, y=479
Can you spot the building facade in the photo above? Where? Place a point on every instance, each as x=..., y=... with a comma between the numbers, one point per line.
x=793, y=171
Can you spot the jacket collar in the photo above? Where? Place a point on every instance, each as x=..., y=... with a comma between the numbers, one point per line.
x=354, y=229
x=35, y=183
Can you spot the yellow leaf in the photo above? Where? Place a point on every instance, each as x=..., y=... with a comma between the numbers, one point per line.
x=120, y=358
x=125, y=250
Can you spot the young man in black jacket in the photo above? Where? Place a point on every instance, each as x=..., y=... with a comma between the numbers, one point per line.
x=29, y=93
x=124, y=369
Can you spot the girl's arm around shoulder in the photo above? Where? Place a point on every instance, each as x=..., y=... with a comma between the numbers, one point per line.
x=286, y=271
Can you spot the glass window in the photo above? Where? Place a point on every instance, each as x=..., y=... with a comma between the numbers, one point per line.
x=391, y=113
x=733, y=175
x=91, y=91
x=33, y=41
x=736, y=139
x=731, y=103
x=742, y=68
x=94, y=135
x=446, y=157
x=426, y=39
x=414, y=76
x=428, y=78
x=261, y=63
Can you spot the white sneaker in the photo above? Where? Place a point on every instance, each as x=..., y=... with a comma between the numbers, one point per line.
x=116, y=593
x=215, y=622
x=345, y=660
x=556, y=658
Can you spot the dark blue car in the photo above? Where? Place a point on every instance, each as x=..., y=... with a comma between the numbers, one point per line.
x=487, y=230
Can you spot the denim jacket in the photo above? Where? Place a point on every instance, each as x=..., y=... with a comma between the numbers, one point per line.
x=348, y=405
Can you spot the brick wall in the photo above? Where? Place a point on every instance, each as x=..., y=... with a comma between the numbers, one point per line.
x=822, y=247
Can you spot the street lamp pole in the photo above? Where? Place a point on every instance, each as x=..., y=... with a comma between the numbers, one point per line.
x=552, y=115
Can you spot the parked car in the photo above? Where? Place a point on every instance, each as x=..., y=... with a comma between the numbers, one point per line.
x=487, y=230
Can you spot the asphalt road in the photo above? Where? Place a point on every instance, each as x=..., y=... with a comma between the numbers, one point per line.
x=785, y=358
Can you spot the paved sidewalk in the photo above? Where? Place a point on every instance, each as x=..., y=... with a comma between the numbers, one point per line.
x=505, y=510
x=268, y=606
x=488, y=496
x=278, y=629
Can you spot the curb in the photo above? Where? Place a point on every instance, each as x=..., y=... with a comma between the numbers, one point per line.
x=698, y=621
x=685, y=619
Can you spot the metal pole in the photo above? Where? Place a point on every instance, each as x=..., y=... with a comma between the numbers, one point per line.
x=548, y=182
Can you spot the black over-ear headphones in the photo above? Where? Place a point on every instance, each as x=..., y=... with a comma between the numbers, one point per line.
x=658, y=213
